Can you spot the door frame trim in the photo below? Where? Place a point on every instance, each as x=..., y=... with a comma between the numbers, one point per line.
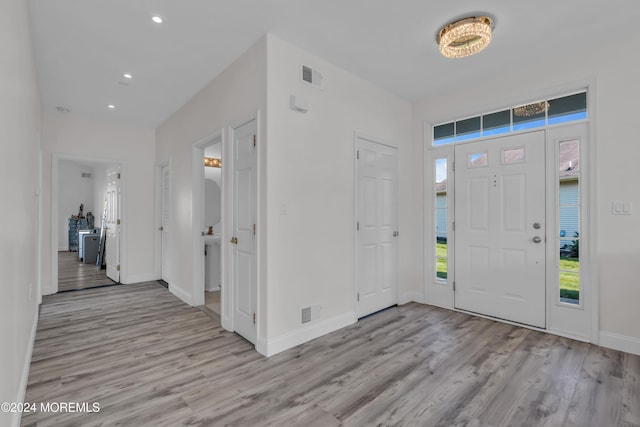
x=357, y=136
x=55, y=165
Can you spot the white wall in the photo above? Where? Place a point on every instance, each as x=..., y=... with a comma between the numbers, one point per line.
x=239, y=91
x=73, y=190
x=310, y=168
x=20, y=124
x=617, y=91
x=75, y=137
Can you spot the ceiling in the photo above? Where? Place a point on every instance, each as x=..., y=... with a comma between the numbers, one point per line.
x=83, y=47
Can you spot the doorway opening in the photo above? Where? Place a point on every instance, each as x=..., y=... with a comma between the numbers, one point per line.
x=86, y=230
x=212, y=227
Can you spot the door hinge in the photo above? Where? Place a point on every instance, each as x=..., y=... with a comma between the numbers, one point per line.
x=454, y=286
x=358, y=154
x=254, y=229
x=254, y=318
x=118, y=222
x=118, y=267
x=358, y=296
x=118, y=175
x=453, y=166
x=453, y=226
x=254, y=144
x=358, y=226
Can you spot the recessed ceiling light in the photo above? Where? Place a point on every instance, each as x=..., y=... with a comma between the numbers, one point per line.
x=156, y=19
x=127, y=76
x=111, y=106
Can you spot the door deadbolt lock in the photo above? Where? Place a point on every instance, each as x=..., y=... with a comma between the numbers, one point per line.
x=537, y=239
x=536, y=225
x=395, y=234
x=161, y=228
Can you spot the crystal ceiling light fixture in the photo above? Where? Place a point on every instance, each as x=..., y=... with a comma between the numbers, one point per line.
x=212, y=162
x=531, y=109
x=465, y=37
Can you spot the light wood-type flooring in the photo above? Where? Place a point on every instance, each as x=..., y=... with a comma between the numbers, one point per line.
x=148, y=359
x=74, y=274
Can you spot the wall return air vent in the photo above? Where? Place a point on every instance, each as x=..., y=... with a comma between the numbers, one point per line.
x=311, y=76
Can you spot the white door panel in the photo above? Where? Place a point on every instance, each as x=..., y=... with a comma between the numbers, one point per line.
x=164, y=223
x=244, y=258
x=112, y=242
x=377, y=245
x=500, y=269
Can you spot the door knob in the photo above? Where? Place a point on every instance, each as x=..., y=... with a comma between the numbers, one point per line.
x=395, y=234
x=161, y=228
x=234, y=240
x=537, y=239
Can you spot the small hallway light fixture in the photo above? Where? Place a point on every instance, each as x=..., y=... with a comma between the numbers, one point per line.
x=212, y=162
x=465, y=37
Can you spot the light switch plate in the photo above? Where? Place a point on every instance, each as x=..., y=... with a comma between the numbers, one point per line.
x=621, y=208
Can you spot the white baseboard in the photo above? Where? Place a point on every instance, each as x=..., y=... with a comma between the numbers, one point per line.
x=17, y=418
x=304, y=334
x=182, y=294
x=411, y=297
x=620, y=342
x=138, y=278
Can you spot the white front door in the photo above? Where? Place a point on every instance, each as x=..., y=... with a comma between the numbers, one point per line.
x=377, y=227
x=500, y=228
x=243, y=241
x=112, y=243
x=165, y=206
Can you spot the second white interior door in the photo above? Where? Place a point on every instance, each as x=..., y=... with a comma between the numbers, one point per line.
x=243, y=251
x=377, y=234
x=500, y=228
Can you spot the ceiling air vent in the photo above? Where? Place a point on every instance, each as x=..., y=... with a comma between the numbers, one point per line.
x=311, y=76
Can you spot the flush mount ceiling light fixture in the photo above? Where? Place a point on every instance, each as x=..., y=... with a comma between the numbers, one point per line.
x=465, y=37
x=212, y=162
x=531, y=109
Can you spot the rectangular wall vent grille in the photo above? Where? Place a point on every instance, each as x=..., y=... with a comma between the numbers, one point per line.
x=311, y=76
x=307, y=74
x=306, y=315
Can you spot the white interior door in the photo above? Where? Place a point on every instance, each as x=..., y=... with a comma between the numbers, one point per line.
x=112, y=242
x=243, y=251
x=500, y=228
x=165, y=206
x=377, y=230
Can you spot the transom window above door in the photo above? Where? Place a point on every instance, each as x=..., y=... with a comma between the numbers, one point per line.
x=538, y=114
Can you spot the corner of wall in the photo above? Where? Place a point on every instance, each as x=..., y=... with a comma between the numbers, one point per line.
x=24, y=377
x=620, y=342
x=180, y=293
x=299, y=336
